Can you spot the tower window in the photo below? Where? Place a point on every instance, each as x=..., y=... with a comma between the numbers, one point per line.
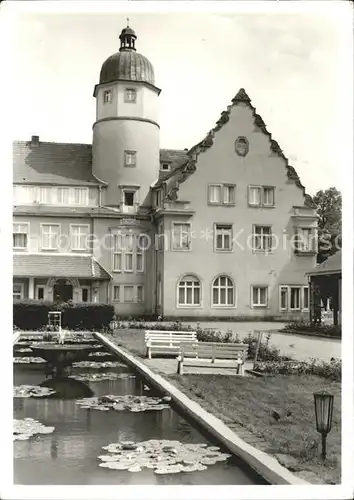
x=165, y=166
x=128, y=198
x=129, y=158
x=107, y=96
x=129, y=95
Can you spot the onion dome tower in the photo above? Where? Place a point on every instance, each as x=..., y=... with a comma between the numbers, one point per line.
x=126, y=138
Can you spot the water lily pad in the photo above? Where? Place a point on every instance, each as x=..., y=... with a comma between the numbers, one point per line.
x=121, y=403
x=25, y=429
x=28, y=360
x=97, y=364
x=27, y=391
x=164, y=456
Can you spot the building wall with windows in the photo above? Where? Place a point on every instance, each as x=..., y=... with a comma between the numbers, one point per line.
x=39, y=234
x=220, y=219
x=240, y=201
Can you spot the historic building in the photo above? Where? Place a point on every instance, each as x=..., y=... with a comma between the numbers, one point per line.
x=223, y=229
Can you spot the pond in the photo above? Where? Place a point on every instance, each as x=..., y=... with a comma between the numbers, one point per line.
x=69, y=455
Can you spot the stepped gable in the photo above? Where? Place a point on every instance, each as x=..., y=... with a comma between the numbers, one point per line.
x=189, y=167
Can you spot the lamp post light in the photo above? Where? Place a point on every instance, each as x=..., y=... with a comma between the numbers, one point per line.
x=324, y=413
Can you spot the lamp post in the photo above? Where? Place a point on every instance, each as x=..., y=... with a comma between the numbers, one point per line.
x=324, y=412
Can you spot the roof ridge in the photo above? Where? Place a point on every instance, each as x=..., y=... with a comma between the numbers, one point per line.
x=54, y=142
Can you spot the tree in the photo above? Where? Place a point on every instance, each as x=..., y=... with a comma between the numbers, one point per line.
x=329, y=212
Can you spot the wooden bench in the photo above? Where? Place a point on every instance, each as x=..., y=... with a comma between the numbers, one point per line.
x=167, y=342
x=212, y=355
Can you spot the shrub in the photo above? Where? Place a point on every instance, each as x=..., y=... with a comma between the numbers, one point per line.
x=331, y=370
x=306, y=326
x=33, y=315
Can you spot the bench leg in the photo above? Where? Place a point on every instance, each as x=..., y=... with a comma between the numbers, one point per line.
x=180, y=367
x=148, y=352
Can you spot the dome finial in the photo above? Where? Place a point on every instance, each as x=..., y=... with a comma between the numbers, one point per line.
x=127, y=38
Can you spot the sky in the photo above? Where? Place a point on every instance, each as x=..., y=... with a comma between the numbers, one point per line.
x=292, y=65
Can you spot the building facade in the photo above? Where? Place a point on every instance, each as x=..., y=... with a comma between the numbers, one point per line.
x=223, y=229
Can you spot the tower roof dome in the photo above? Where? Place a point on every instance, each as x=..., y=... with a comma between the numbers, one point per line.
x=127, y=64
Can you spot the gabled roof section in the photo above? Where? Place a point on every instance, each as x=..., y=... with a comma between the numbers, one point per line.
x=180, y=174
x=174, y=157
x=332, y=265
x=53, y=163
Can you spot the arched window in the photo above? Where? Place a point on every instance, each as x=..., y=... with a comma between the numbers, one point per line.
x=189, y=291
x=223, y=291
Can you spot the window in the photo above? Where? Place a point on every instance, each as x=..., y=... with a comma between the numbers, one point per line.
x=79, y=236
x=128, y=293
x=268, y=196
x=129, y=252
x=40, y=292
x=63, y=196
x=306, y=240
x=189, y=291
x=181, y=236
x=294, y=298
x=50, y=236
x=20, y=236
x=129, y=158
x=223, y=291
x=165, y=166
x=129, y=95
x=140, y=293
x=139, y=262
x=17, y=291
x=262, y=239
x=107, y=96
x=116, y=293
x=129, y=198
x=254, y=195
x=221, y=194
x=45, y=194
x=126, y=253
x=229, y=194
x=80, y=196
x=305, y=298
x=85, y=294
x=117, y=253
x=283, y=298
x=259, y=296
x=295, y=294
x=223, y=237
x=215, y=193
x=261, y=196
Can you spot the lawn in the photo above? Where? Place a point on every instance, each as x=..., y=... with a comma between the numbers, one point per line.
x=250, y=402
x=131, y=339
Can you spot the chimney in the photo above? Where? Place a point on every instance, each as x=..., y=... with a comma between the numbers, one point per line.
x=34, y=141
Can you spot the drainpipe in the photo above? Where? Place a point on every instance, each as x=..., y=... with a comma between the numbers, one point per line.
x=100, y=196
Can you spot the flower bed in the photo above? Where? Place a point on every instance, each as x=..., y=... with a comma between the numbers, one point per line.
x=331, y=371
x=334, y=331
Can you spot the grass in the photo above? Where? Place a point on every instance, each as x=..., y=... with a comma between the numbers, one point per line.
x=249, y=402
x=131, y=339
